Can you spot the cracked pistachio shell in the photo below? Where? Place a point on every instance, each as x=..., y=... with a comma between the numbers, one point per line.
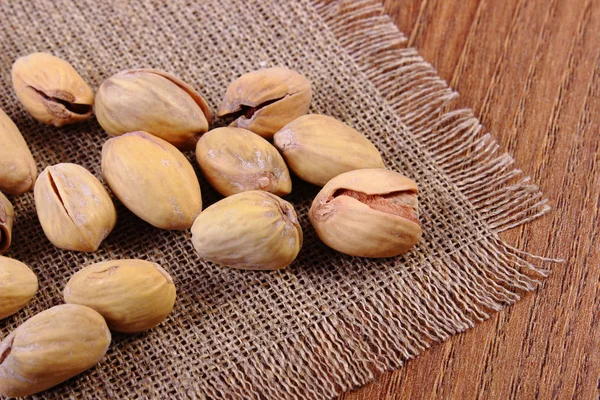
x=51, y=90
x=263, y=101
x=131, y=295
x=152, y=179
x=50, y=348
x=17, y=166
x=74, y=209
x=253, y=230
x=234, y=160
x=367, y=213
x=7, y=218
x=153, y=101
x=318, y=148
x=18, y=285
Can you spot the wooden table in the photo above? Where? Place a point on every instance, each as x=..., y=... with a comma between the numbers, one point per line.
x=530, y=69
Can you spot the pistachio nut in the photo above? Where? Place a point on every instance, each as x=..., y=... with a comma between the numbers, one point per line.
x=131, y=295
x=17, y=166
x=253, y=230
x=152, y=179
x=367, y=213
x=50, y=348
x=234, y=160
x=318, y=148
x=51, y=90
x=74, y=209
x=7, y=218
x=153, y=101
x=18, y=285
x=263, y=101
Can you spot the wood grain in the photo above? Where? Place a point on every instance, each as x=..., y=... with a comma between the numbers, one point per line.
x=530, y=69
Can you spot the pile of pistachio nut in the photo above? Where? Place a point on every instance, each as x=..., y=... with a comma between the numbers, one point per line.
x=362, y=209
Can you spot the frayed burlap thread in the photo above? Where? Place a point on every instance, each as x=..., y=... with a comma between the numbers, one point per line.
x=329, y=322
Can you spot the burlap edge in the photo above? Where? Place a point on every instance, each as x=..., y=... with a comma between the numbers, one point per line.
x=348, y=347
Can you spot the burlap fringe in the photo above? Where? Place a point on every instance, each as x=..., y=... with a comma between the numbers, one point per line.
x=347, y=347
x=455, y=138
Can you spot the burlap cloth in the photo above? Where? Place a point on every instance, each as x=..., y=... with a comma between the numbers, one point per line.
x=329, y=322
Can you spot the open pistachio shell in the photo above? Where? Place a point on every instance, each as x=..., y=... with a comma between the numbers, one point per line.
x=263, y=101
x=74, y=209
x=368, y=213
x=51, y=90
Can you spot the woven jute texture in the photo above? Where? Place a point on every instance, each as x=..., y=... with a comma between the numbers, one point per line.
x=329, y=322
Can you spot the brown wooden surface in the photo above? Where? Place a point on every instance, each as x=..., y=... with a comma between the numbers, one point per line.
x=530, y=69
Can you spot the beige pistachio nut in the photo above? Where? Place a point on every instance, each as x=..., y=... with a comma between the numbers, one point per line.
x=253, y=230
x=7, y=218
x=263, y=101
x=50, y=348
x=153, y=101
x=234, y=160
x=131, y=295
x=74, y=209
x=17, y=166
x=318, y=148
x=51, y=90
x=368, y=213
x=152, y=179
x=18, y=285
